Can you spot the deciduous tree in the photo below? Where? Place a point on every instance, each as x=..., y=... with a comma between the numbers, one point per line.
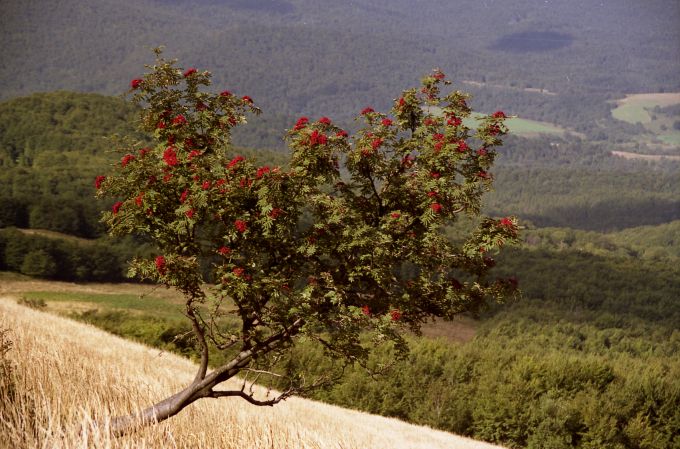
x=343, y=248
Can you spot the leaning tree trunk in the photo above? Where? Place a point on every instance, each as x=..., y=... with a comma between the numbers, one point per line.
x=202, y=386
x=169, y=407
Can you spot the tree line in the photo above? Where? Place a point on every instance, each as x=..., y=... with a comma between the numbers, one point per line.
x=67, y=259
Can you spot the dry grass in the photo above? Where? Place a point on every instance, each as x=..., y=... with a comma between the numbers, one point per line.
x=67, y=376
x=460, y=330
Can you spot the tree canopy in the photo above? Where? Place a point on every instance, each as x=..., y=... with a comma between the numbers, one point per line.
x=344, y=248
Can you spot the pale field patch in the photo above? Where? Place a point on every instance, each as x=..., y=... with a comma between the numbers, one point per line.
x=70, y=376
x=661, y=98
x=535, y=90
x=13, y=284
x=646, y=157
x=57, y=235
x=634, y=108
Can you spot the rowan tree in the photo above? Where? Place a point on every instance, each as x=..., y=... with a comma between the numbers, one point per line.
x=344, y=248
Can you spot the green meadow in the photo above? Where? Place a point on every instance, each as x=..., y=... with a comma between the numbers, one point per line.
x=671, y=139
x=518, y=126
x=114, y=301
x=638, y=108
x=525, y=127
x=655, y=112
x=634, y=112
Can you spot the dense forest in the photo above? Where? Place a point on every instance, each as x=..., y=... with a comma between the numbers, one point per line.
x=324, y=58
x=52, y=146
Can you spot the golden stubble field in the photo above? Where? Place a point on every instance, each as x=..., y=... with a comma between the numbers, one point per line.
x=65, y=376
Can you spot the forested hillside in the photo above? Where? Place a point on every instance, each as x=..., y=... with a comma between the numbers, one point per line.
x=312, y=57
x=587, y=358
x=52, y=146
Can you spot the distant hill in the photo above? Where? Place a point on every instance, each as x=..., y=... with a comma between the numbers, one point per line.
x=334, y=58
x=72, y=121
x=60, y=122
x=53, y=145
x=644, y=242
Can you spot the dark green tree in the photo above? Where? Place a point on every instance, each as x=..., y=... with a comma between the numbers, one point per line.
x=39, y=263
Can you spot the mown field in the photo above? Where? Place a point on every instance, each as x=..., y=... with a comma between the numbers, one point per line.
x=523, y=127
x=528, y=128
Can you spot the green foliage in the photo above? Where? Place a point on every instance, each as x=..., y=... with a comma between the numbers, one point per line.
x=551, y=182
x=39, y=263
x=162, y=333
x=66, y=260
x=575, y=279
x=587, y=198
x=12, y=212
x=657, y=242
x=313, y=247
x=59, y=122
x=649, y=242
x=38, y=303
x=576, y=367
x=51, y=147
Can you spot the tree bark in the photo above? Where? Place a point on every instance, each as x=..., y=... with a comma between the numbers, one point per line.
x=202, y=386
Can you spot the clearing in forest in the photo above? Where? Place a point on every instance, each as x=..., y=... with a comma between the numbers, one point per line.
x=637, y=108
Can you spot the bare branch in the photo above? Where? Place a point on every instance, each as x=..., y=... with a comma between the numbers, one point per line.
x=259, y=371
x=249, y=397
x=213, y=333
x=375, y=193
x=243, y=359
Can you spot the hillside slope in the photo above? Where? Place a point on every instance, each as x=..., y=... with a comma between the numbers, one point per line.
x=311, y=57
x=114, y=376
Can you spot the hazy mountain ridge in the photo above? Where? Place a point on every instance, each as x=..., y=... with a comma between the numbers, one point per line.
x=359, y=51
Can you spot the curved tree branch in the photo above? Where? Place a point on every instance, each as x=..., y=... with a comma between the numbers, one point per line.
x=203, y=387
x=250, y=398
x=200, y=335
